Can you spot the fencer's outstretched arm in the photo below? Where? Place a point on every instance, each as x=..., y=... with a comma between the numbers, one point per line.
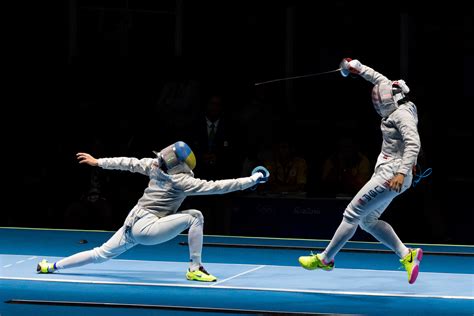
x=143, y=166
x=372, y=76
x=193, y=186
x=369, y=74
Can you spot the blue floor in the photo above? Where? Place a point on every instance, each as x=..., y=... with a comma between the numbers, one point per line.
x=250, y=280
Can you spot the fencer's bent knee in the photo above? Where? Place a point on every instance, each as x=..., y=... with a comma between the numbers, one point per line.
x=197, y=215
x=367, y=223
x=350, y=217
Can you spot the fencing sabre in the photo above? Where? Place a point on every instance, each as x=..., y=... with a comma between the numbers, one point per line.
x=297, y=77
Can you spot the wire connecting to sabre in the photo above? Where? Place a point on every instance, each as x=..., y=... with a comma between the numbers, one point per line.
x=297, y=77
x=421, y=175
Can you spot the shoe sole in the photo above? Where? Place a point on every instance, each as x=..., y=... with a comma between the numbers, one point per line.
x=414, y=273
x=195, y=279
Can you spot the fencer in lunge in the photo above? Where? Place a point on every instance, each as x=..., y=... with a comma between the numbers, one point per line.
x=393, y=173
x=155, y=218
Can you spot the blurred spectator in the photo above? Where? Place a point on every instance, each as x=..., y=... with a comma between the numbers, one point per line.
x=251, y=159
x=91, y=211
x=213, y=142
x=216, y=154
x=256, y=118
x=256, y=130
x=346, y=170
x=179, y=97
x=289, y=172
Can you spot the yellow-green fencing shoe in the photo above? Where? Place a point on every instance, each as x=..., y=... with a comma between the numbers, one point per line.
x=45, y=267
x=200, y=275
x=411, y=263
x=314, y=261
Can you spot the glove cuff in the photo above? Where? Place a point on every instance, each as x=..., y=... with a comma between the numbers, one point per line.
x=256, y=176
x=261, y=173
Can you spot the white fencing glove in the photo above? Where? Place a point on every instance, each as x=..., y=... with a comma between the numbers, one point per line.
x=349, y=65
x=355, y=66
x=401, y=83
x=260, y=174
x=344, y=65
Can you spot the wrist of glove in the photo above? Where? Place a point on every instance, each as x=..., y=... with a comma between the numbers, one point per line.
x=260, y=174
x=257, y=176
x=350, y=66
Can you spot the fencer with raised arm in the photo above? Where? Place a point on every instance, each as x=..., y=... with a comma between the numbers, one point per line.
x=391, y=177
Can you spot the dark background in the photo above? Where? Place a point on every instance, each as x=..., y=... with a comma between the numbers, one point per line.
x=88, y=76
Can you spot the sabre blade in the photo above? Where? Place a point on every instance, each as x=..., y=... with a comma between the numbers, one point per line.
x=297, y=77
